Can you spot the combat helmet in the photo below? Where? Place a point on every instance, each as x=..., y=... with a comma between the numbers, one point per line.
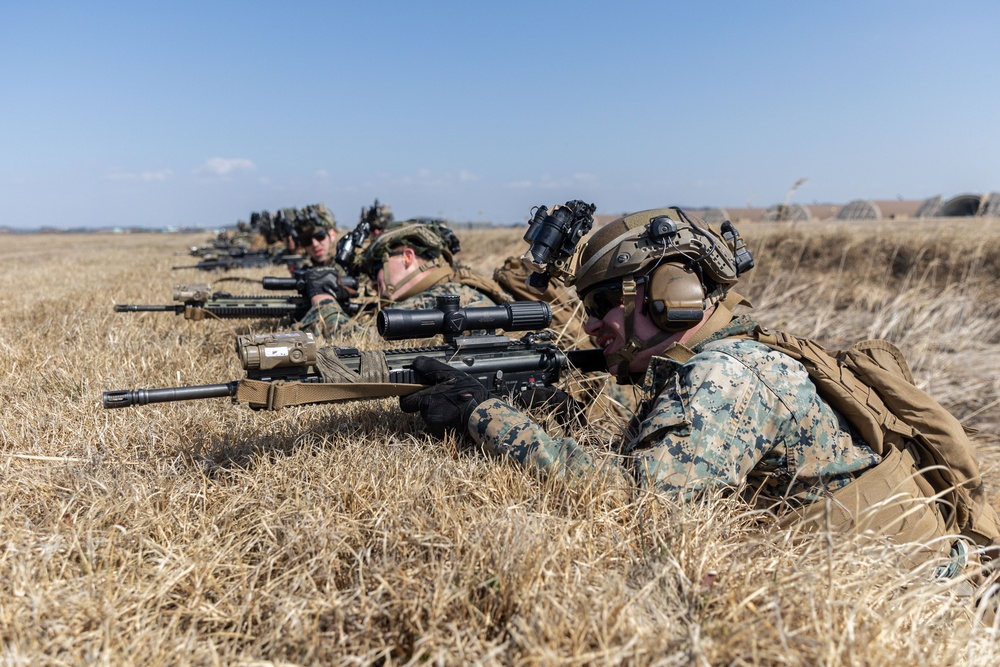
x=435, y=244
x=684, y=264
x=378, y=216
x=312, y=219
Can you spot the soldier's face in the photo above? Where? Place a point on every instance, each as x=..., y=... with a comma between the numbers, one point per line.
x=608, y=333
x=319, y=245
x=397, y=265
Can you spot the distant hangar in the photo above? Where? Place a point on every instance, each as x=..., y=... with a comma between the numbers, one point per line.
x=961, y=206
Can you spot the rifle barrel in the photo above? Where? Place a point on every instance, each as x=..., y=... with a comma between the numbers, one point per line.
x=124, y=308
x=276, y=283
x=126, y=398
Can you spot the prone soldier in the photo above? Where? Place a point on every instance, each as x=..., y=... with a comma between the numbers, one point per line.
x=729, y=404
x=410, y=265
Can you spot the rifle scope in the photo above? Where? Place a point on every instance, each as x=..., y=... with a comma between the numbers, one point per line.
x=448, y=319
x=298, y=282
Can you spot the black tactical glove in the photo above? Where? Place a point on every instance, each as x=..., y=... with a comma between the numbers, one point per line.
x=554, y=401
x=322, y=280
x=448, y=403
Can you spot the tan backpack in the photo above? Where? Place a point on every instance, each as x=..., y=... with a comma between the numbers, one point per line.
x=567, y=313
x=471, y=278
x=870, y=384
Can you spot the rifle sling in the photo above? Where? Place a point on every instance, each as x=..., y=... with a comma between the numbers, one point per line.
x=281, y=394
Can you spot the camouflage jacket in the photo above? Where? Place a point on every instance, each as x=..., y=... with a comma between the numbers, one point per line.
x=736, y=412
x=329, y=321
x=329, y=262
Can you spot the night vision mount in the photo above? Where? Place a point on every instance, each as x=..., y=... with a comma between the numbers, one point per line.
x=554, y=235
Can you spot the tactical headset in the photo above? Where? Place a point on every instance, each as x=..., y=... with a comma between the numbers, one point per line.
x=686, y=268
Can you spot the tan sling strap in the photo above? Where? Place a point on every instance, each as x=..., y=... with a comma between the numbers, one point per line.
x=372, y=367
x=717, y=321
x=340, y=383
x=280, y=394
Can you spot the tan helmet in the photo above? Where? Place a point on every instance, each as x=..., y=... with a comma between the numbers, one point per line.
x=685, y=265
x=630, y=244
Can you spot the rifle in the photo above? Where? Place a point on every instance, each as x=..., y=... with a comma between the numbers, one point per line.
x=242, y=259
x=198, y=301
x=287, y=369
x=208, y=251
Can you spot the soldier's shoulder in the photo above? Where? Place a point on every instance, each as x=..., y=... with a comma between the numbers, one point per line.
x=736, y=347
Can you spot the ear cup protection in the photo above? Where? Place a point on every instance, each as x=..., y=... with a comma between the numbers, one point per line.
x=675, y=297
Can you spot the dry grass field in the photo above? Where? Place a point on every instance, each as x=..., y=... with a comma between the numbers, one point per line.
x=205, y=533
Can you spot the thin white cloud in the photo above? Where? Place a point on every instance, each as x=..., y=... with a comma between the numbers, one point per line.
x=546, y=182
x=426, y=178
x=222, y=166
x=144, y=176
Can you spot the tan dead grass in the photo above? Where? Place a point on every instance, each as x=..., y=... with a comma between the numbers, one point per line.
x=206, y=533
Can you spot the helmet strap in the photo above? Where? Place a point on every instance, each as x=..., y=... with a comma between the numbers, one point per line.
x=429, y=274
x=633, y=344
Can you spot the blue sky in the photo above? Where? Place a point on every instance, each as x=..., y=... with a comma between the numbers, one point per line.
x=173, y=113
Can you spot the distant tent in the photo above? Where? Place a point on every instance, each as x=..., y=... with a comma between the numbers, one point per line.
x=962, y=206
x=716, y=216
x=787, y=213
x=930, y=207
x=860, y=209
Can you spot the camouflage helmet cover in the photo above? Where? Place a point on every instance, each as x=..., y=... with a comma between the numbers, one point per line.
x=313, y=218
x=426, y=240
x=628, y=246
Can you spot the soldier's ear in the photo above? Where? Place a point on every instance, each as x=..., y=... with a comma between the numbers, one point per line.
x=409, y=255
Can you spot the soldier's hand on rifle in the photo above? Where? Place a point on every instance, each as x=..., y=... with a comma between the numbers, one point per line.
x=448, y=403
x=322, y=282
x=554, y=401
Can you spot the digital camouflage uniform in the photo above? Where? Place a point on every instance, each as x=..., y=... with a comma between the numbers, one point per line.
x=736, y=412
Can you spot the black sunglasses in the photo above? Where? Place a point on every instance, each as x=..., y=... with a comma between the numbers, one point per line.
x=602, y=299
x=319, y=236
